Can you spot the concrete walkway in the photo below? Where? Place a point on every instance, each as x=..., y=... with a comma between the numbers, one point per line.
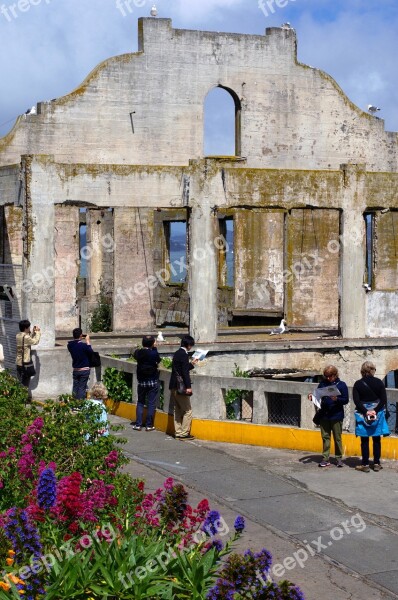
x=335, y=530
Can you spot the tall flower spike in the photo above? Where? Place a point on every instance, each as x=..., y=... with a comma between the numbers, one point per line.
x=47, y=489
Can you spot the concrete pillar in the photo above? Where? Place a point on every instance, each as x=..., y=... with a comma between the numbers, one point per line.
x=260, y=407
x=94, y=251
x=38, y=288
x=11, y=253
x=307, y=413
x=203, y=275
x=66, y=244
x=353, y=252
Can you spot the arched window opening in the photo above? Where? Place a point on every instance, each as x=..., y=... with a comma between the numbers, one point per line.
x=222, y=136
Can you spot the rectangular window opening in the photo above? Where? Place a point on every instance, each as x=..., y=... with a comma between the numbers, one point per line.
x=176, y=251
x=370, y=230
x=226, y=260
x=82, y=251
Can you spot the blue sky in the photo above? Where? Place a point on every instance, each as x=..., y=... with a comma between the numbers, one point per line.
x=49, y=48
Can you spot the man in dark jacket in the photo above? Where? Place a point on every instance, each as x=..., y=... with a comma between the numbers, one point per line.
x=182, y=403
x=147, y=359
x=81, y=352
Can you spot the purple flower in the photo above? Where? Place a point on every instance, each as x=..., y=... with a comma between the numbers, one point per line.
x=211, y=523
x=47, y=489
x=239, y=524
x=217, y=544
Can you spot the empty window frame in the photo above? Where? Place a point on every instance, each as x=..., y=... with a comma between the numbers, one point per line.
x=176, y=251
x=226, y=261
x=83, y=243
x=370, y=229
x=222, y=135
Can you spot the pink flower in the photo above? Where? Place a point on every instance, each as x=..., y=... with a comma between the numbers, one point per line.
x=169, y=483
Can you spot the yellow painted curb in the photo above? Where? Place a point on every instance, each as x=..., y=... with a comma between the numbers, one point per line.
x=271, y=436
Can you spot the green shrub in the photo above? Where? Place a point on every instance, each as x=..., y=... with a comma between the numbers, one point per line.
x=14, y=414
x=167, y=362
x=233, y=396
x=117, y=385
x=100, y=320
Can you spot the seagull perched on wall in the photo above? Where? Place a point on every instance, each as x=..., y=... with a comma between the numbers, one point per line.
x=154, y=11
x=286, y=25
x=31, y=111
x=160, y=337
x=279, y=330
x=373, y=109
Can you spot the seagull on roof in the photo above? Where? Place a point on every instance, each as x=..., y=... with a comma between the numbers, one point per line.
x=154, y=11
x=279, y=330
x=373, y=109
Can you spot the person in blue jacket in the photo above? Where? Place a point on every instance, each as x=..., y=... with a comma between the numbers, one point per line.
x=332, y=416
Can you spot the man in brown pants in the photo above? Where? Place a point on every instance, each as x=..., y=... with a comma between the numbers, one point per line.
x=182, y=402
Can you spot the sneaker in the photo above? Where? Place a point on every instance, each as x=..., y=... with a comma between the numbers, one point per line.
x=149, y=428
x=324, y=463
x=186, y=437
x=137, y=427
x=363, y=468
x=340, y=464
x=377, y=467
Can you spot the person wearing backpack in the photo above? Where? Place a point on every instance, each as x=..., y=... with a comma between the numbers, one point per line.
x=25, y=339
x=81, y=352
x=148, y=360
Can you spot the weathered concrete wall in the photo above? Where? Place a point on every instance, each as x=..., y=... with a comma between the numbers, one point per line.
x=66, y=243
x=133, y=299
x=386, y=251
x=259, y=259
x=313, y=263
x=334, y=282
x=38, y=292
x=304, y=356
x=164, y=87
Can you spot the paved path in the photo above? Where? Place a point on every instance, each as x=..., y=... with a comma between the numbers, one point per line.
x=348, y=520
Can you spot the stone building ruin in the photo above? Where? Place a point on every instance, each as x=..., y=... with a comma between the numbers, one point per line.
x=311, y=196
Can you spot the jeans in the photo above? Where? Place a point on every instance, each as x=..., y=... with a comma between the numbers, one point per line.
x=80, y=379
x=149, y=394
x=376, y=449
x=24, y=380
x=327, y=428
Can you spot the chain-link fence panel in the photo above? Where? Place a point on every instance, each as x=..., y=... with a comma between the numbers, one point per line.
x=284, y=409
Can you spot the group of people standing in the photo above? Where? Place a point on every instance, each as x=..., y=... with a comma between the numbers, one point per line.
x=370, y=399
x=369, y=392
x=148, y=359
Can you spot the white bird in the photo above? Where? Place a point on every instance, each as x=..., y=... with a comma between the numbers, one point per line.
x=373, y=109
x=31, y=111
x=160, y=337
x=286, y=25
x=154, y=11
x=279, y=330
